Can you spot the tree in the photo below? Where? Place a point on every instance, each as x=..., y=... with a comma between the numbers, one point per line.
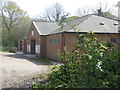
x=84, y=11
x=53, y=13
x=0, y=31
x=66, y=20
x=101, y=10
x=11, y=16
x=96, y=67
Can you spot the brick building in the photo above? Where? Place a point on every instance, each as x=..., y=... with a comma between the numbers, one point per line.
x=46, y=38
x=22, y=45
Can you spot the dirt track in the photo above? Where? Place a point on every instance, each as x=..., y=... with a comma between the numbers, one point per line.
x=17, y=68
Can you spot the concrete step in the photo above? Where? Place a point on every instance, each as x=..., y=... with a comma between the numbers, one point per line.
x=19, y=52
x=30, y=55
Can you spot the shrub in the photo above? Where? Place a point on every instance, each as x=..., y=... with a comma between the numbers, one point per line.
x=91, y=65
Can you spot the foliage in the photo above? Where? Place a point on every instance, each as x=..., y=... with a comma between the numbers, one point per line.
x=63, y=21
x=100, y=9
x=14, y=20
x=97, y=66
x=11, y=14
x=72, y=18
x=18, y=33
x=109, y=15
x=66, y=20
x=43, y=60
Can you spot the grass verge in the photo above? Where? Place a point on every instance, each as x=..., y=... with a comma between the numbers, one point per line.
x=11, y=51
x=43, y=60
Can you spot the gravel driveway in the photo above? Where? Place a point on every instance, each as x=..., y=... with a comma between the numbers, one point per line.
x=17, y=68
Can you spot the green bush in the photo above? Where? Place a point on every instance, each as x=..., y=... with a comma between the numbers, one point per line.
x=91, y=65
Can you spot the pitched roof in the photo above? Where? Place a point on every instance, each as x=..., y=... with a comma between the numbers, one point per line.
x=94, y=23
x=44, y=27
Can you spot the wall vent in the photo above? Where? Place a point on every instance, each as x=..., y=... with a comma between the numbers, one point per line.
x=115, y=23
x=102, y=23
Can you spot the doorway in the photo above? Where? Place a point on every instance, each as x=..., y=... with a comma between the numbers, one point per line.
x=20, y=45
x=33, y=43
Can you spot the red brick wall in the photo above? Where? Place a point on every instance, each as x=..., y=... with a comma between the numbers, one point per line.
x=70, y=40
x=52, y=46
x=107, y=37
x=35, y=37
x=43, y=46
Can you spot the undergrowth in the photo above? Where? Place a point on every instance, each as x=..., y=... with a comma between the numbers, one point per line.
x=92, y=64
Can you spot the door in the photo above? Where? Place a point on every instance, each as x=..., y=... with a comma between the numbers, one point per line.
x=20, y=45
x=33, y=43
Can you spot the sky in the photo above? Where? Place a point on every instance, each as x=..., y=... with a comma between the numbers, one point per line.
x=35, y=8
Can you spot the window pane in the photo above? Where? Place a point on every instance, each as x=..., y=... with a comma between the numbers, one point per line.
x=58, y=40
x=113, y=40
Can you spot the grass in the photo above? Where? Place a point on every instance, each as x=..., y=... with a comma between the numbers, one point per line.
x=47, y=62
x=4, y=50
x=43, y=60
x=7, y=51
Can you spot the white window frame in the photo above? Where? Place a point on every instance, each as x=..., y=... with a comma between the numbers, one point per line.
x=32, y=32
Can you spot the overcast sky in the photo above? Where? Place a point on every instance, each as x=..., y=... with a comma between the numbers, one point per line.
x=36, y=7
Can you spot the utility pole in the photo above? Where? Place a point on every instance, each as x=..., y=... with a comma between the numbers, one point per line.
x=119, y=16
x=118, y=25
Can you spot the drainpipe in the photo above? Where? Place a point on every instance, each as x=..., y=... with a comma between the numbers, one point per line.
x=63, y=43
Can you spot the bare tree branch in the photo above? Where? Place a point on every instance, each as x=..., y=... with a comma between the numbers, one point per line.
x=53, y=13
x=101, y=10
x=11, y=14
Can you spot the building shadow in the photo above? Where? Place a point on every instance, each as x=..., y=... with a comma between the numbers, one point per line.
x=23, y=57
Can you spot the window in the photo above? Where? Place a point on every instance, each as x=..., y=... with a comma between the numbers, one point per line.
x=54, y=41
x=20, y=42
x=32, y=32
x=114, y=40
x=58, y=40
x=50, y=40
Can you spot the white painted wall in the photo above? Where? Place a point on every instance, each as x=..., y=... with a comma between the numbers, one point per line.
x=37, y=48
x=28, y=48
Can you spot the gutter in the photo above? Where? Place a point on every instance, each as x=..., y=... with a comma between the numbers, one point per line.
x=83, y=33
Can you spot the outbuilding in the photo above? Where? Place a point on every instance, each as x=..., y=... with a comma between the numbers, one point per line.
x=45, y=39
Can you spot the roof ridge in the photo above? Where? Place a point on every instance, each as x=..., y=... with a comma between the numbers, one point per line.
x=36, y=28
x=44, y=21
x=74, y=19
x=105, y=17
x=85, y=17
x=88, y=15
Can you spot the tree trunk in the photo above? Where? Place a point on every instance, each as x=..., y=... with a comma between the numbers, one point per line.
x=9, y=43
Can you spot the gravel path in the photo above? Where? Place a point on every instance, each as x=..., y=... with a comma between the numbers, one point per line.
x=18, y=71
